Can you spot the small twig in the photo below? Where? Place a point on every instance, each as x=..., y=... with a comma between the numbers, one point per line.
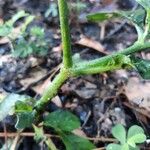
x=31, y=134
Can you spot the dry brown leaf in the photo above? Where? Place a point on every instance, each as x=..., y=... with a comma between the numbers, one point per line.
x=138, y=92
x=85, y=41
x=35, y=75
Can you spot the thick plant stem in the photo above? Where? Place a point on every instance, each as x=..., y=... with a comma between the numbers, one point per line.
x=65, y=33
x=97, y=63
x=52, y=89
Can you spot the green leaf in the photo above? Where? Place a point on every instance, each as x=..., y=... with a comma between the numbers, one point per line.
x=136, y=16
x=142, y=66
x=27, y=21
x=144, y=3
x=74, y=142
x=114, y=147
x=25, y=114
x=37, y=31
x=136, y=139
x=7, y=106
x=16, y=17
x=135, y=135
x=5, y=30
x=134, y=130
x=22, y=107
x=119, y=133
x=125, y=147
x=22, y=49
x=39, y=134
x=62, y=120
x=101, y=16
x=25, y=119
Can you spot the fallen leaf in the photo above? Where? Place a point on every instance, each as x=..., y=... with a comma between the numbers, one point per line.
x=87, y=42
x=138, y=92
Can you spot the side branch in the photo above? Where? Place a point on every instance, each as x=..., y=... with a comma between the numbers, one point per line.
x=137, y=47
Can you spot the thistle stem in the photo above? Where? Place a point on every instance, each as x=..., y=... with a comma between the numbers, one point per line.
x=65, y=33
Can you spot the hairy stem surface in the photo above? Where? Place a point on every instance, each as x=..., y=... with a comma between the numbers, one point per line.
x=52, y=89
x=65, y=33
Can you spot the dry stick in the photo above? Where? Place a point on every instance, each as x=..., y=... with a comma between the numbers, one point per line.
x=30, y=134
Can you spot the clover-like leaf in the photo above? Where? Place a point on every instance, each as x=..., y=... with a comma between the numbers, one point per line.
x=135, y=135
x=137, y=16
x=114, y=147
x=62, y=120
x=74, y=142
x=25, y=115
x=119, y=133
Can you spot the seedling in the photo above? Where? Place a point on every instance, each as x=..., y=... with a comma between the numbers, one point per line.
x=28, y=110
x=24, y=43
x=128, y=141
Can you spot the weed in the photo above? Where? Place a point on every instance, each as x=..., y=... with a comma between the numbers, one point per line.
x=128, y=141
x=28, y=110
x=24, y=43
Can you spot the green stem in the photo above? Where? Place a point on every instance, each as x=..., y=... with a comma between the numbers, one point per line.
x=65, y=33
x=52, y=89
x=94, y=65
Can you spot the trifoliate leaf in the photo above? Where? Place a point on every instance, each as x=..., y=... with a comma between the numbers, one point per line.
x=135, y=135
x=62, y=120
x=119, y=133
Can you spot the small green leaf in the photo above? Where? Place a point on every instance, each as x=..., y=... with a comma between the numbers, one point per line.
x=136, y=139
x=7, y=106
x=22, y=107
x=37, y=31
x=136, y=16
x=22, y=49
x=134, y=130
x=101, y=16
x=27, y=21
x=62, y=120
x=25, y=119
x=74, y=142
x=135, y=135
x=16, y=17
x=125, y=147
x=114, y=147
x=39, y=134
x=142, y=66
x=144, y=3
x=119, y=133
x=5, y=30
